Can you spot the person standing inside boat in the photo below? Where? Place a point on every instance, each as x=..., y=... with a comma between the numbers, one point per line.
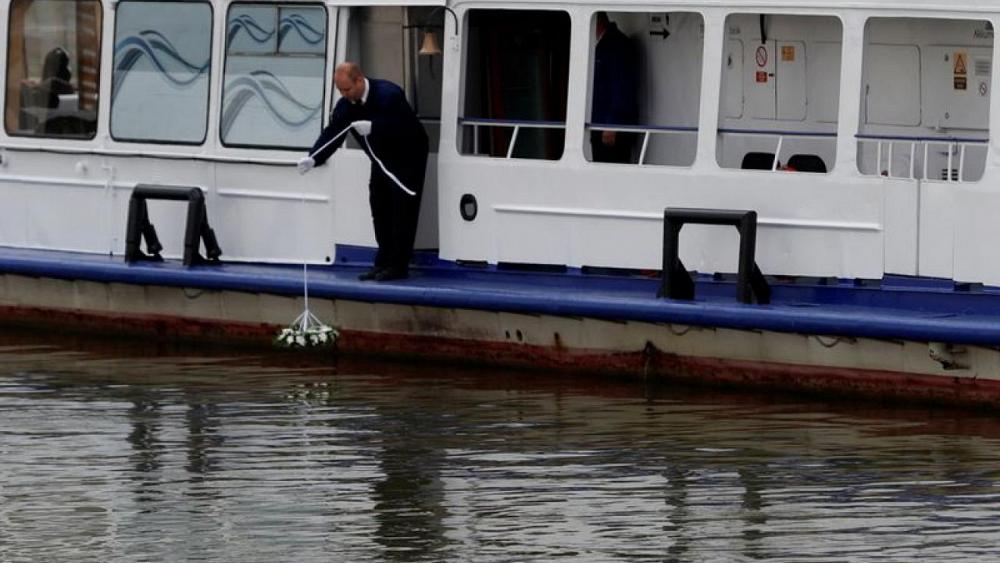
x=616, y=87
x=377, y=114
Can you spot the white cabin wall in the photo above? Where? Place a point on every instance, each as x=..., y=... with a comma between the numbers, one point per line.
x=920, y=100
x=451, y=226
x=65, y=199
x=714, y=49
x=267, y=212
x=577, y=99
x=977, y=256
x=260, y=208
x=556, y=212
x=597, y=214
x=900, y=203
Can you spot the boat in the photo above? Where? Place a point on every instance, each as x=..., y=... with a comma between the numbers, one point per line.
x=808, y=202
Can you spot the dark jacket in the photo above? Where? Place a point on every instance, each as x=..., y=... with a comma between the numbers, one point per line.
x=397, y=137
x=615, y=80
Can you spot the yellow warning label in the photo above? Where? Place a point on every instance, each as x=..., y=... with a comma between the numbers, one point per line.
x=960, y=66
x=788, y=53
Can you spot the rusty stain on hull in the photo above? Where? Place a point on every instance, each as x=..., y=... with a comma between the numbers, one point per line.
x=646, y=363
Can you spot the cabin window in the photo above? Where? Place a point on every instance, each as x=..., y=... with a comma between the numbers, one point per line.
x=516, y=76
x=780, y=93
x=274, y=76
x=645, y=87
x=160, y=76
x=925, y=99
x=53, y=68
x=386, y=41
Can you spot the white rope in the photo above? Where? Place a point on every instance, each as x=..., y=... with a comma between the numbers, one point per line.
x=338, y=135
x=370, y=153
x=386, y=170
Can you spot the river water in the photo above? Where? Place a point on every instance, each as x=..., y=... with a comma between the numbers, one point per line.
x=133, y=453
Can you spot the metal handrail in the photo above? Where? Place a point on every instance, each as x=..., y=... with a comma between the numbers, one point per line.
x=646, y=130
x=951, y=142
x=781, y=138
x=476, y=122
x=540, y=124
x=866, y=136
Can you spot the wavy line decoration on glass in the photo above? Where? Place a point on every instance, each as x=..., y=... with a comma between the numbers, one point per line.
x=161, y=53
x=274, y=86
x=296, y=22
x=252, y=28
x=258, y=85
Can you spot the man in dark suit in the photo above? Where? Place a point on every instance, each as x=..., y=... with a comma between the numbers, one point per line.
x=377, y=114
x=616, y=87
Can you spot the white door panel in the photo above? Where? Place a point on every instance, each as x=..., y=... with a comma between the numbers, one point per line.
x=937, y=229
x=790, y=80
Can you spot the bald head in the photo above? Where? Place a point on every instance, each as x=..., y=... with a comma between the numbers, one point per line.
x=349, y=80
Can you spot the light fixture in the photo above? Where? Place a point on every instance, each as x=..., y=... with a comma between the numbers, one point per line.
x=430, y=45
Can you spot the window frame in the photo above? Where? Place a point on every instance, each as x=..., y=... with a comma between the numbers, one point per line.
x=777, y=132
x=225, y=57
x=639, y=128
x=208, y=105
x=7, y=74
x=928, y=142
x=466, y=32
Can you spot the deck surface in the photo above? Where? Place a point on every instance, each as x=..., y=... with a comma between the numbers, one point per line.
x=894, y=308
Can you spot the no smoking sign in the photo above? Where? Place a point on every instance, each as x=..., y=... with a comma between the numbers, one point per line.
x=761, y=56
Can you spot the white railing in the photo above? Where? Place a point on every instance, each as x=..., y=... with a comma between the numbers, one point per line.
x=956, y=147
x=517, y=125
x=781, y=135
x=646, y=130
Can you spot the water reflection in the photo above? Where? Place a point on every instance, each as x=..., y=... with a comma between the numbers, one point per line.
x=409, y=497
x=122, y=453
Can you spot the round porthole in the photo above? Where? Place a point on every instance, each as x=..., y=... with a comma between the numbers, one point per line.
x=468, y=207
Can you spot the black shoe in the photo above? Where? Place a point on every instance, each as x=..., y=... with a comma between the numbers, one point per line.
x=390, y=274
x=370, y=274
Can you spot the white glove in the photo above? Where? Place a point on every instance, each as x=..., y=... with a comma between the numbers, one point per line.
x=306, y=164
x=363, y=127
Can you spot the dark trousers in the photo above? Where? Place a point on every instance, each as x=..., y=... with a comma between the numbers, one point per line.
x=395, y=213
x=621, y=151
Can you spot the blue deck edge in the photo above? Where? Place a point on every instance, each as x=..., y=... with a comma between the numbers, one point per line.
x=894, y=308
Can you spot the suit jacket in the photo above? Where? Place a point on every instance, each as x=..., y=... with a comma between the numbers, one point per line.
x=397, y=137
x=616, y=81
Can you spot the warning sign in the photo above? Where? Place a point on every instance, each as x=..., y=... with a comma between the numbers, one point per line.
x=788, y=53
x=761, y=56
x=961, y=83
x=761, y=77
x=961, y=68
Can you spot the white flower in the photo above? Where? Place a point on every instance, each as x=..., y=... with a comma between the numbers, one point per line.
x=306, y=334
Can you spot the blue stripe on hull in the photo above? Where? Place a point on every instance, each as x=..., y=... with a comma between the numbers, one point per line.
x=900, y=309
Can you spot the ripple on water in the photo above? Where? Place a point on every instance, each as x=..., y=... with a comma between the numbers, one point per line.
x=135, y=456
